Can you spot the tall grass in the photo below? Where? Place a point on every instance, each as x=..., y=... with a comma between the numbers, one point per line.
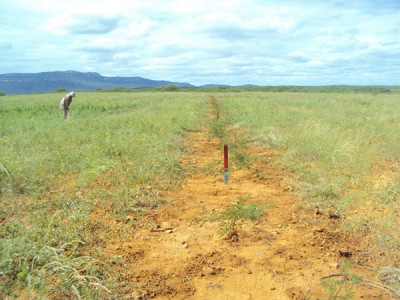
x=115, y=148
x=344, y=148
x=119, y=149
x=107, y=131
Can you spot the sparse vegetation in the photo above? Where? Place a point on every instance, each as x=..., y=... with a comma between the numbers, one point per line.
x=218, y=128
x=340, y=286
x=238, y=212
x=216, y=123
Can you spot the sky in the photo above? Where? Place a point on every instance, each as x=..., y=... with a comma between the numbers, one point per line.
x=235, y=42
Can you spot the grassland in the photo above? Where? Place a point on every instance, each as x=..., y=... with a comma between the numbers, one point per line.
x=119, y=149
x=115, y=147
x=343, y=148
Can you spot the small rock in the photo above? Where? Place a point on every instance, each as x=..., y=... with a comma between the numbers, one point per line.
x=317, y=212
x=135, y=295
x=129, y=218
x=318, y=229
x=185, y=245
x=332, y=214
x=165, y=225
x=345, y=253
x=335, y=265
x=208, y=271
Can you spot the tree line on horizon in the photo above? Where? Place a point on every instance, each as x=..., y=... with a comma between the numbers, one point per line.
x=225, y=88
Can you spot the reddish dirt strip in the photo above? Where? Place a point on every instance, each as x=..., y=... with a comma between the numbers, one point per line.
x=176, y=253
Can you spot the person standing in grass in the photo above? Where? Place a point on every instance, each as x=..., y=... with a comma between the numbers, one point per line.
x=65, y=103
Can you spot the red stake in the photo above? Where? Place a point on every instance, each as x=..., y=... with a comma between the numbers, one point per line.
x=225, y=163
x=225, y=157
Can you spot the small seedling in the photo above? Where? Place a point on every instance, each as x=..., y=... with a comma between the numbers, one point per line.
x=340, y=286
x=239, y=212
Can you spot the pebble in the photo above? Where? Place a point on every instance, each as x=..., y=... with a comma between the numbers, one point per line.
x=165, y=225
x=335, y=266
x=208, y=271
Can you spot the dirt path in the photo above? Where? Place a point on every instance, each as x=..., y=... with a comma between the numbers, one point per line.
x=283, y=255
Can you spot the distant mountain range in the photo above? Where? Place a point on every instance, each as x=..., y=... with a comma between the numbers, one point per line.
x=46, y=82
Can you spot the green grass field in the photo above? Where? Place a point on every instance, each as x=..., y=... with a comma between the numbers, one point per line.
x=343, y=148
x=128, y=141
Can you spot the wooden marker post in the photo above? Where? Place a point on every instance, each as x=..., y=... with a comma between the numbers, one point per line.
x=225, y=164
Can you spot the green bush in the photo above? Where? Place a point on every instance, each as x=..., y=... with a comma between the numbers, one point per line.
x=169, y=88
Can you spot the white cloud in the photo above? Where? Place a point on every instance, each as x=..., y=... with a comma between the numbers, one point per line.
x=81, y=24
x=139, y=27
x=227, y=41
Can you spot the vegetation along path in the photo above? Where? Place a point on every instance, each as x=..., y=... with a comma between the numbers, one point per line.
x=247, y=239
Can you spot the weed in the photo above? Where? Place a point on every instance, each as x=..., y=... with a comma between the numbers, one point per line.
x=390, y=277
x=217, y=124
x=342, y=288
x=238, y=212
x=217, y=129
x=136, y=200
x=47, y=269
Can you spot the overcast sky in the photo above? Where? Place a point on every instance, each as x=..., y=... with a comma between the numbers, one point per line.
x=206, y=41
